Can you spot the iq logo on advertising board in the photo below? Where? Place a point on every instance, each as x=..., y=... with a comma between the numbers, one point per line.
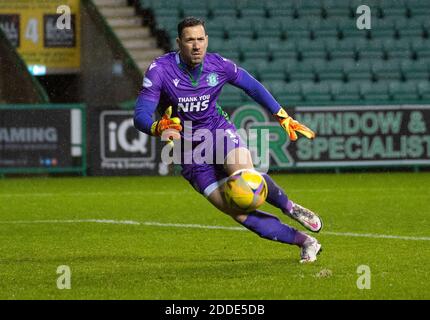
x=121, y=145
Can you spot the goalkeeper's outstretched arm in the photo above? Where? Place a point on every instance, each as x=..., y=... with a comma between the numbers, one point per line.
x=262, y=96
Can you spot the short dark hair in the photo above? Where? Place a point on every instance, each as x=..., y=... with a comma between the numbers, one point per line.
x=190, y=22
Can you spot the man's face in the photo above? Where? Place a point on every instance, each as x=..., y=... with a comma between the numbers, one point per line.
x=193, y=44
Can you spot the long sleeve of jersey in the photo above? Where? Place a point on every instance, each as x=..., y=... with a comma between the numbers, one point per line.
x=143, y=114
x=255, y=90
x=147, y=101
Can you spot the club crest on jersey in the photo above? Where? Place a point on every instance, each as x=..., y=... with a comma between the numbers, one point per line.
x=212, y=79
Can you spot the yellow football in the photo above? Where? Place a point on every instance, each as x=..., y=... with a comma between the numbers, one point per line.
x=245, y=189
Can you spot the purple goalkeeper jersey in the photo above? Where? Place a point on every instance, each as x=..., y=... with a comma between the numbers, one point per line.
x=193, y=94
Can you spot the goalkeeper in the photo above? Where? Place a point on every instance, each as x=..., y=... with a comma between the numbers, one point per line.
x=191, y=80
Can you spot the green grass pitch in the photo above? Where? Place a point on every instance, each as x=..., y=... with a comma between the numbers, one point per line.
x=45, y=223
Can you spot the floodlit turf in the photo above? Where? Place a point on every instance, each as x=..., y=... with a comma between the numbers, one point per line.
x=43, y=225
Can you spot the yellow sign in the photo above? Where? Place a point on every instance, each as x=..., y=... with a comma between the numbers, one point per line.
x=46, y=33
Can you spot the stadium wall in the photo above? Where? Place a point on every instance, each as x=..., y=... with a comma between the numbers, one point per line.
x=17, y=85
x=108, y=75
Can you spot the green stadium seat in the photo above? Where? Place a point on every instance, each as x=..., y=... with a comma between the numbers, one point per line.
x=281, y=9
x=386, y=70
x=354, y=4
x=144, y=4
x=416, y=69
x=252, y=49
x=419, y=12
x=253, y=66
x=167, y=23
x=424, y=90
x=215, y=4
x=275, y=34
x=251, y=13
x=231, y=44
x=197, y=4
x=334, y=9
x=291, y=94
x=254, y=4
x=370, y=49
x=269, y=42
x=426, y=25
x=224, y=12
x=403, y=91
x=419, y=4
x=383, y=28
x=165, y=13
x=353, y=33
x=274, y=70
x=300, y=72
x=316, y=92
x=350, y=31
x=329, y=70
x=195, y=12
x=163, y=4
x=397, y=49
x=232, y=54
x=308, y=8
x=358, y=70
x=268, y=28
x=241, y=28
x=390, y=8
x=377, y=91
x=215, y=44
x=311, y=49
x=407, y=28
x=340, y=49
x=283, y=50
x=296, y=29
x=321, y=28
x=421, y=48
x=215, y=27
x=345, y=92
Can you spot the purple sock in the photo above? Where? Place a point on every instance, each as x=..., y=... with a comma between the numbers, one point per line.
x=276, y=196
x=270, y=227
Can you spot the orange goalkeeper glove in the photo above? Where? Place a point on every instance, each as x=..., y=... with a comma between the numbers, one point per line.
x=167, y=123
x=291, y=126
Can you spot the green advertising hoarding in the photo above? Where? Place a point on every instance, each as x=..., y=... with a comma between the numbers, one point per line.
x=346, y=136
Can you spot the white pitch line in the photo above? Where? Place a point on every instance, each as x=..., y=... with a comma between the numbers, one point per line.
x=372, y=235
x=71, y=221
x=88, y=194
x=200, y=226
x=194, y=226
x=422, y=192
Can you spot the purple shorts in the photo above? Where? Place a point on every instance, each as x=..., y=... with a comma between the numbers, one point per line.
x=207, y=176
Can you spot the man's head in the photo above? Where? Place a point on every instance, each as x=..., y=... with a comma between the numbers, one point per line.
x=192, y=40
